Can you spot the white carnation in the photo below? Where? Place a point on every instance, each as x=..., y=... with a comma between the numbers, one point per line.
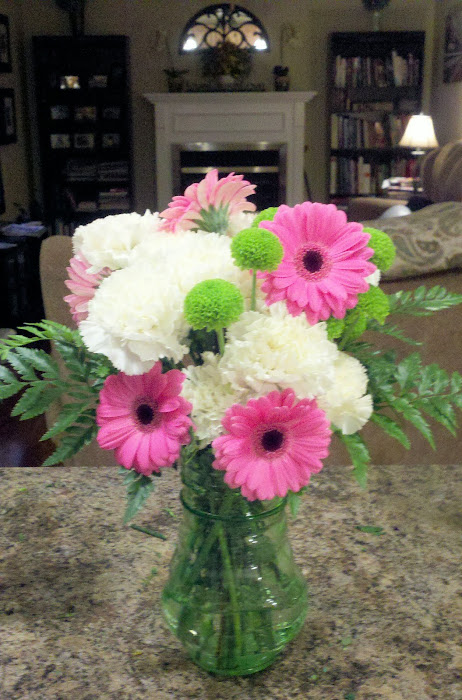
x=274, y=350
x=136, y=315
x=210, y=396
x=346, y=403
x=110, y=241
x=193, y=256
x=135, y=318
x=239, y=221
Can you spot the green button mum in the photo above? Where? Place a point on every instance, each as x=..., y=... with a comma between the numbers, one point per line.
x=384, y=248
x=256, y=249
x=265, y=215
x=213, y=304
x=374, y=304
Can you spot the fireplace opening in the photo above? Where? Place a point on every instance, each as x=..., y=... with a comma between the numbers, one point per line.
x=263, y=164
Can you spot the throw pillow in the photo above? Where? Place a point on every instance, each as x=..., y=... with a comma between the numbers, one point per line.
x=429, y=240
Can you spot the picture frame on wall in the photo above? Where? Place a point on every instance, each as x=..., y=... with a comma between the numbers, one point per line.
x=7, y=116
x=5, y=46
x=452, y=61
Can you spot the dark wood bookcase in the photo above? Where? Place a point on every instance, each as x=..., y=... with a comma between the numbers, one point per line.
x=374, y=85
x=84, y=125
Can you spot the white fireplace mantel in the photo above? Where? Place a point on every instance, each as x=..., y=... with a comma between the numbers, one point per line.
x=228, y=118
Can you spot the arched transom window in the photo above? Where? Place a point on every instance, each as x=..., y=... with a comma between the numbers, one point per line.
x=223, y=22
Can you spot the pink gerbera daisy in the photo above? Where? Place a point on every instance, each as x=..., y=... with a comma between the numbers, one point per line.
x=272, y=444
x=325, y=261
x=144, y=419
x=208, y=204
x=82, y=284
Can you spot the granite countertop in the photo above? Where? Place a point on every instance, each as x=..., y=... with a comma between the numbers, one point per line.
x=79, y=591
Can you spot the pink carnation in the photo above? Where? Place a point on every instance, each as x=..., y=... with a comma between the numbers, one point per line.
x=144, y=419
x=272, y=444
x=83, y=285
x=325, y=261
x=227, y=196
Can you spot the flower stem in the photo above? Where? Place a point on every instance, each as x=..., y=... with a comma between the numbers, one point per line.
x=221, y=340
x=231, y=588
x=253, y=298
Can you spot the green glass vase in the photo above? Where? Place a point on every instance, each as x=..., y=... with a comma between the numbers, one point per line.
x=235, y=596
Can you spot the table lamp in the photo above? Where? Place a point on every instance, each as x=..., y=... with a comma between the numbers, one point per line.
x=420, y=136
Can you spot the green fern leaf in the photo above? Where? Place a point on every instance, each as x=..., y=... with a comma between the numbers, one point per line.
x=138, y=489
x=41, y=361
x=72, y=441
x=7, y=390
x=359, y=455
x=29, y=399
x=47, y=396
x=423, y=301
x=22, y=366
x=392, y=428
x=67, y=417
x=413, y=415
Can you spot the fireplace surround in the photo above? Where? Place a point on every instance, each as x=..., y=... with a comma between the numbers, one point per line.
x=258, y=134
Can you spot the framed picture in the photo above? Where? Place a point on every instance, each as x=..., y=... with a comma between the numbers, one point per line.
x=452, y=62
x=7, y=116
x=5, y=48
x=69, y=82
x=111, y=140
x=60, y=141
x=59, y=112
x=84, y=141
x=85, y=114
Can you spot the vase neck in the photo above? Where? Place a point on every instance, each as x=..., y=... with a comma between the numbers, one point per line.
x=206, y=493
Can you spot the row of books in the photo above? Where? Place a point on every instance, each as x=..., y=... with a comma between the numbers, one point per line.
x=367, y=71
x=116, y=198
x=353, y=176
x=79, y=170
x=357, y=132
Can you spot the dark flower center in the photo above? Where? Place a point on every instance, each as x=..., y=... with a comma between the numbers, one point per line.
x=312, y=261
x=272, y=440
x=145, y=414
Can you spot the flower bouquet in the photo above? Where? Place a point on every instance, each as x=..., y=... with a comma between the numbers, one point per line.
x=229, y=345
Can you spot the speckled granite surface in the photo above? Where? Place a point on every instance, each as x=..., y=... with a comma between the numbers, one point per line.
x=79, y=611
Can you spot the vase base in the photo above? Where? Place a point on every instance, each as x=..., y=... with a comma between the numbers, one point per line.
x=253, y=657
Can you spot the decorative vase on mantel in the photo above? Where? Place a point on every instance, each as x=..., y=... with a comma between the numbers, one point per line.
x=376, y=7
x=235, y=596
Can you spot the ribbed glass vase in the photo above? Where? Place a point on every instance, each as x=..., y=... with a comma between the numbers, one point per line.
x=235, y=596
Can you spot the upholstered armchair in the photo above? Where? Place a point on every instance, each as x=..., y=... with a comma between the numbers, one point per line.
x=441, y=175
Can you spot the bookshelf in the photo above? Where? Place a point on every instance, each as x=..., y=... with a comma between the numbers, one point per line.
x=84, y=125
x=374, y=86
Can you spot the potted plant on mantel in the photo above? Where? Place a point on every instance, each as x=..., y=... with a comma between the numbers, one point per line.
x=226, y=65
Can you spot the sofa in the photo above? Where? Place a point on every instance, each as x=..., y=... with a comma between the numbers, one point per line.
x=441, y=177
x=429, y=252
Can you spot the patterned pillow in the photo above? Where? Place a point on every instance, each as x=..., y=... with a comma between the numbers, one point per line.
x=429, y=240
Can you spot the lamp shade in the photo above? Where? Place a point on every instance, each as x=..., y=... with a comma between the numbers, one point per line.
x=419, y=133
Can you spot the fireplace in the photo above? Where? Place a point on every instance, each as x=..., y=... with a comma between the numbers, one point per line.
x=264, y=164
x=259, y=135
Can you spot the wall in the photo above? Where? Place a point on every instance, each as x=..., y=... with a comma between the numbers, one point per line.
x=20, y=160
x=314, y=20
x=139, y=19
x=446, y=105
x=14, y=156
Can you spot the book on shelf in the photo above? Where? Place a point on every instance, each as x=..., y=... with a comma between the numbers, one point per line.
x=358, y=176
x=391, y=70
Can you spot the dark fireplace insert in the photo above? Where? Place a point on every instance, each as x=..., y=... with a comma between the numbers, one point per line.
x=263, y=164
